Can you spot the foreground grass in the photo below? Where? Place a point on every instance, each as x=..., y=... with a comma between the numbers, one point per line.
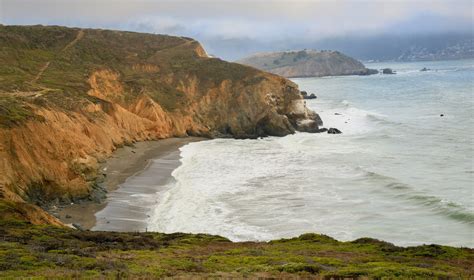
x=41, y=252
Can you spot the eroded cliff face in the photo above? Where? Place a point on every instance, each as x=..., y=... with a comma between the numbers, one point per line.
x=87, y=92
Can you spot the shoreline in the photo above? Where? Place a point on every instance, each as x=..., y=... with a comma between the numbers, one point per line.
x=123, y=164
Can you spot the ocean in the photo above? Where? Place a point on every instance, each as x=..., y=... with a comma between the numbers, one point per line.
x=400, y=171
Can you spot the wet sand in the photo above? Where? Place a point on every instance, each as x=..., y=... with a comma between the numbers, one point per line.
x=122, y=210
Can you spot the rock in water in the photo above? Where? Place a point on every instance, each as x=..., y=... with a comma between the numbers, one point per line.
x=368, y=71
x=388, y=71
x=306, y=96
x=333, y=130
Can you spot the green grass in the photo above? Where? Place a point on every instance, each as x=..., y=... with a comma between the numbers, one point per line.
x=46, y=251
x=14, y=111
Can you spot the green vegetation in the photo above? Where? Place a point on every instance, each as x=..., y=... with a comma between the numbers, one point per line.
x=47, y=251
x=14, y=111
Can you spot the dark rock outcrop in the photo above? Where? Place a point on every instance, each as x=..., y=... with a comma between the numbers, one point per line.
x=368, y=71
x=333, y=130
x=388, y=71
x=306, y=96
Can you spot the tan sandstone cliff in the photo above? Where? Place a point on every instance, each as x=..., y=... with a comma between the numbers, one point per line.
x=69, y=97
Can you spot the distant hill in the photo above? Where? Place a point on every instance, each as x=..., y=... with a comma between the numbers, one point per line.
x=307, y=63
x=453, y=50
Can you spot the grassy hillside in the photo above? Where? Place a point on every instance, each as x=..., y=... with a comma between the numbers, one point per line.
x=52, y=62
x=44, y=252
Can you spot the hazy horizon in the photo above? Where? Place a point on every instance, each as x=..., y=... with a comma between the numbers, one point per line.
x=233, y=29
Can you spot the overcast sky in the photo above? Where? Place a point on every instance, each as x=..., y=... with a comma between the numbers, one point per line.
x=257, y=21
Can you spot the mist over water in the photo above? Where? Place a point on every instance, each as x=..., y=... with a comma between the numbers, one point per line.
x=399, y=172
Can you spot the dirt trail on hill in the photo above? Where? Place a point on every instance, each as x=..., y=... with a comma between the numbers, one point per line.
x=41, y=71
x=79, y=36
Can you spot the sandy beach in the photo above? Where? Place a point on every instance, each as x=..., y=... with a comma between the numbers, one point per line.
x=116, y=212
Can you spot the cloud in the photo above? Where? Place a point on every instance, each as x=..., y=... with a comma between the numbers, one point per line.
x=162, y=25
x=339, y=13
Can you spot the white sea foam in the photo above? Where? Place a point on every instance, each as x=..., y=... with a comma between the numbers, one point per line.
x=346, y=117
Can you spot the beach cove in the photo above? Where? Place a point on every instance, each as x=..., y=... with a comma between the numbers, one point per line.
x=117, y=211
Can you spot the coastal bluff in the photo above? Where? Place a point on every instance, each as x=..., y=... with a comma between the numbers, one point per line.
x=69, y=97
x=307, y=63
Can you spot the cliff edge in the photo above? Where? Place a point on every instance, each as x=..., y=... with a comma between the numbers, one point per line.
x=69, y=97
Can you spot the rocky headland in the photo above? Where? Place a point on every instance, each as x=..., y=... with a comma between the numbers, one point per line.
x=307, y=63
x=69, y=97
